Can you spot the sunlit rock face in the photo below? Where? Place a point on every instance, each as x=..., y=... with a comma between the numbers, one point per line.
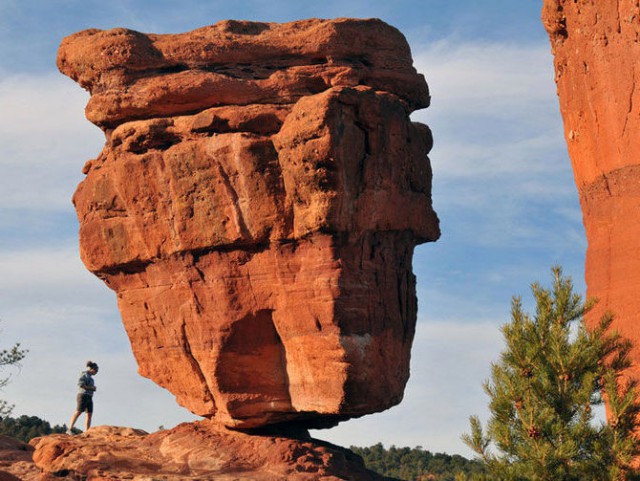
x=596, y=48
x=255, y=208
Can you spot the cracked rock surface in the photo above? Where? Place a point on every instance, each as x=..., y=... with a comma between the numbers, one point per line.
x=255, y=208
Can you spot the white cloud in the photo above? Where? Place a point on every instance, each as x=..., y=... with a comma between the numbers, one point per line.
x=527, y=158
x=494, y=111
x=488, y=79
x=60, y=266
x=49, y=285
x=502, y=176
x=33, y=104
x=44, y=141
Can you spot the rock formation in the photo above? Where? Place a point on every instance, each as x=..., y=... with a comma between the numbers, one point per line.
x=200, y=451
x=596, y=45
x=16, y=462
x=256, y=207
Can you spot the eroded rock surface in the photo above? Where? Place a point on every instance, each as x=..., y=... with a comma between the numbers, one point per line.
x=256, y=207
x=596, y=45
x=201, y=451
x=16, y=463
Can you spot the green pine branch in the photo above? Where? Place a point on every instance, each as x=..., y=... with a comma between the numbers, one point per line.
x=542, y=391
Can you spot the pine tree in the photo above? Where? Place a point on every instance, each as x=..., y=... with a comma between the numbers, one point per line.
x=542, y=391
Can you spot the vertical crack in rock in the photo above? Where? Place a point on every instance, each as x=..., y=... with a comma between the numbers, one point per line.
x=196, y=368
x=630, y=110
x=234, y=203
x=271, y=188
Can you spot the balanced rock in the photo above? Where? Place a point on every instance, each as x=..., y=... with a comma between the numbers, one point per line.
x=596, y=48
x=256, y=207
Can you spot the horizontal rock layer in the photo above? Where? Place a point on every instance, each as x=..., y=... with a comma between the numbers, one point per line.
x=256, y=207
x=133, y=75
x=596, y=46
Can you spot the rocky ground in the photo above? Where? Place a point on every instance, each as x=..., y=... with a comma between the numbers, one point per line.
x=191, y=451
x=16, y=461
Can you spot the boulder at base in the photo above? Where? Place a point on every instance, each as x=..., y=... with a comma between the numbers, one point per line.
x=202, y=451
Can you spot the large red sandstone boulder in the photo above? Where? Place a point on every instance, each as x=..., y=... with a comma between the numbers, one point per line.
x=201, y=451
x=256, y=207
x=596, y=48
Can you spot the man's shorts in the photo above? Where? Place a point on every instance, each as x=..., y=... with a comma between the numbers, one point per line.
x=85, y=403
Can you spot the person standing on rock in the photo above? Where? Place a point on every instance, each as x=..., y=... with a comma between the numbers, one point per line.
x=87, y=387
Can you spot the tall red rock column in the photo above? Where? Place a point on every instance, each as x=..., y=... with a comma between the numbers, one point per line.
x=255, y=208
x=596, y=45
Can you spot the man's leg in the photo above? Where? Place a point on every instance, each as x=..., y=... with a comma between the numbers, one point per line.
x=74, y=418
x=89, y=410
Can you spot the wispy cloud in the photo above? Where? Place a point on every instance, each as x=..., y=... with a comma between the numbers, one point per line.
x=57, y=267
x=44, y=141
x=493, y=111
x=499, y=153
x=488, y=79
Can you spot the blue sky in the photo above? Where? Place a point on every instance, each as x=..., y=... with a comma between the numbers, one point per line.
x=503, y=189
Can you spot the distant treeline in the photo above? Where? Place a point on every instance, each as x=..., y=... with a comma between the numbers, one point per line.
x=416, y=464
x=26, y=428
